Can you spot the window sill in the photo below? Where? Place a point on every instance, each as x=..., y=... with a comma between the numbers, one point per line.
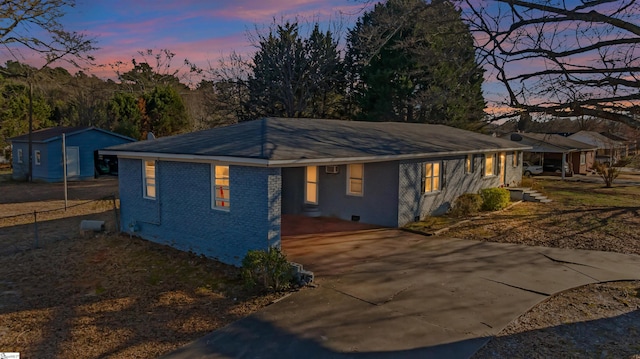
x=223, y=210
x=432, y=193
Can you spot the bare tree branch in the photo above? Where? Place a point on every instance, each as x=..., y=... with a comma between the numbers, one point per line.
x=561, y=58
x=19, y=20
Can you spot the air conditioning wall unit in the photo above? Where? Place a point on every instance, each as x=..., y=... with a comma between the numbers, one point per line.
x=332, y=170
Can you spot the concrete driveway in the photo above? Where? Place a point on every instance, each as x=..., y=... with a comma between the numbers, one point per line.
x=388, y=293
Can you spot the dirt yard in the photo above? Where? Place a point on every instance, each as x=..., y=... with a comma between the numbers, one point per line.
x=105, y=295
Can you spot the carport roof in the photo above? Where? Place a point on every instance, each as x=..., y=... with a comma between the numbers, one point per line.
x=291, y=142
x=550, y=143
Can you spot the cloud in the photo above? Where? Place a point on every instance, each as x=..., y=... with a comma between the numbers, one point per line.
x=264, y=11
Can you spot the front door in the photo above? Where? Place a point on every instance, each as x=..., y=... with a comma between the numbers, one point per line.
x=501, y=167
x=73, y=161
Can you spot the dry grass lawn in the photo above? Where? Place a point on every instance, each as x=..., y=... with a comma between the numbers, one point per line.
x=114, y=297
x=582, y=216
x=106, y=295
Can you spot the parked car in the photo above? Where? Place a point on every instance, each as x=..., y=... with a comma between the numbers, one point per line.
x=555, y=166
x=529, y=169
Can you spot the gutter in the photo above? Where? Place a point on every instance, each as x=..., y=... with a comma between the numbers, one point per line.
x=261, y=162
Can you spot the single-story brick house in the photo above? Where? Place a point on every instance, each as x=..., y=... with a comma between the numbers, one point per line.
x=551, y=150
x=223, y=191
x=81, y=143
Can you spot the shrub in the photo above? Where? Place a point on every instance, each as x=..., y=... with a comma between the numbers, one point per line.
x=466, y=205
x=268, y=269
x=494, y=199
x=607, y=173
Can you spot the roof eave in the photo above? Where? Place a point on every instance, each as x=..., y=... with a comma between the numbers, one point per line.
x=261, y=162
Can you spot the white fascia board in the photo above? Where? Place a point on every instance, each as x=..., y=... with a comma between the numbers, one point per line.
x=257, y=162
x=187, y=158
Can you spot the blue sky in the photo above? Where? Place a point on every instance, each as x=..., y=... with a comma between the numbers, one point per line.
x=201, y=31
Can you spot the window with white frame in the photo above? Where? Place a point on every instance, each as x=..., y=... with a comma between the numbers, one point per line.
x=516, y=158
x=311, y=187
x=36, y=155
x=583, y=158
x=431, y=177
x=20, y=157
x=490, y=164
x=355, y=179
x=468, y=164
x=221, y=196
x=149, y=174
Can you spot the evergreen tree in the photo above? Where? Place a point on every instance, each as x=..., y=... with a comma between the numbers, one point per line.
x=413, y=61
x=125, y=115
x=166, y=112
x=14, y=111
x=295, y=77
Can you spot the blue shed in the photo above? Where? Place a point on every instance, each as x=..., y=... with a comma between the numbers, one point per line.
x=224, y=191
x=82, y=145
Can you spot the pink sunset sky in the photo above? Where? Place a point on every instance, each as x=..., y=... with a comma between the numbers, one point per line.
x=202, y=31
x=199, y=30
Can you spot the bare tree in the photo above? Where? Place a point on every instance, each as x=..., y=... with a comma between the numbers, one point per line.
x=562, y=58
x=20, y=20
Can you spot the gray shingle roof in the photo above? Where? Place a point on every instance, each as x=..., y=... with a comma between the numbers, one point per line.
x=308, y=140
x=542, y=142
x=49, y=134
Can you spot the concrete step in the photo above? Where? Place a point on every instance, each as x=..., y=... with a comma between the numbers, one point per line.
x=532, y=195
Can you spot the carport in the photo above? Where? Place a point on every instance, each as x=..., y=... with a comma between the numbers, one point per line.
x=294, y=225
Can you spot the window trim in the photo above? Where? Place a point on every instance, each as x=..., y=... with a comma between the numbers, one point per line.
x=349, y=178
x=432, y=177
x=214, y=189
x=583, y=158
x=494, y=160
x=307, y=182
x=37, y=157
x=145, y=182
x=468, y=164
x=516, y=159
x=20, y=156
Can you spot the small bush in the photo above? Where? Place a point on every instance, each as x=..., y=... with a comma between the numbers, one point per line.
x=607, y=173
x=494, y=199
x=268, y=269
x=467, y=204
